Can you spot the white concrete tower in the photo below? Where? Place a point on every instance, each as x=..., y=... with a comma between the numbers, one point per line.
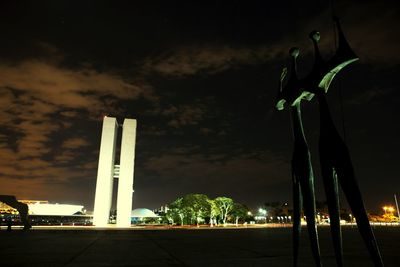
x=105, y=172
x=126, y=171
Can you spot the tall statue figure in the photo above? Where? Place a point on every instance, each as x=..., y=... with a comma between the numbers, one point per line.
x=336, y=164
x=302, y=172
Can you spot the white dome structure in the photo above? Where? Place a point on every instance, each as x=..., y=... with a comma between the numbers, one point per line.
x=143, y=213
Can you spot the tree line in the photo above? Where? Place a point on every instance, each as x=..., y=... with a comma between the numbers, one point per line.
x=199, y=209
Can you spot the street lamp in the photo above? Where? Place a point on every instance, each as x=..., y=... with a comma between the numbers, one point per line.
x=263, y=214
x=389, y=209
x=262, y=211
x=385, y=208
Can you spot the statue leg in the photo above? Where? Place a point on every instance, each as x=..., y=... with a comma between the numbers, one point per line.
x=332, y=197
x=296, y=219
x=347, y=180
x=307, y=189
x=23, y=215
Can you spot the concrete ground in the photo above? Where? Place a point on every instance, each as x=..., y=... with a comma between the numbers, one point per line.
x=184, y=247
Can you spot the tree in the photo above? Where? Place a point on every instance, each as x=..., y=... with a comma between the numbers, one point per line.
x=225, y=205
x=239, y=211
x=214, y=211
x=176, y=210
x=197, y=205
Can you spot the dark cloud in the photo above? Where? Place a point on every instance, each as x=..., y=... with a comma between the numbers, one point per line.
x=185, y=61
x=215, y=174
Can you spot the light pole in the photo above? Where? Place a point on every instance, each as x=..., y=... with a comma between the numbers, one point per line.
x=397, y=208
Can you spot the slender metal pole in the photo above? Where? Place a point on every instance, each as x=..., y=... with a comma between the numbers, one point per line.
x=397, y=207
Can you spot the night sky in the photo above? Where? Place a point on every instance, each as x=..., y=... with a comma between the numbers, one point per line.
x=201, y=79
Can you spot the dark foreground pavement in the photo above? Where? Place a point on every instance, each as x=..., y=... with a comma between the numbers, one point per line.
x=203, y=247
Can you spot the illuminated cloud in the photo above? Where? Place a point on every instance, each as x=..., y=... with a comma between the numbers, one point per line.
x=66, y=88
x=75, y=143
x=33, y=93
x=65, y=157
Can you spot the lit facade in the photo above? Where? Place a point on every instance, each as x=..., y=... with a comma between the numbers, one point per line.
x=54, y=209
x=43, y=207
x=107, y=171
x=126, y=171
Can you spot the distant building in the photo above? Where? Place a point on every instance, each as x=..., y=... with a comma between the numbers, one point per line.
x=144, y=216
x=161, y=210
x=108, y=170
x=143, y=213
x=4, y=208
x=43, y=207
x=54, y=209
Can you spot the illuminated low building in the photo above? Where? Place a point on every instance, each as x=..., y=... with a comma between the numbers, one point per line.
x=4, y=208
x=43, y=207
x=144, y=216
x=54, y=209
x=143, y=213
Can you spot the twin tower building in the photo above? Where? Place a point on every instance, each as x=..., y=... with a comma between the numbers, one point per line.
x=108, y=170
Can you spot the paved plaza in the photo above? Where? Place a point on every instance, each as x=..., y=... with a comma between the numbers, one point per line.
x=184, y=247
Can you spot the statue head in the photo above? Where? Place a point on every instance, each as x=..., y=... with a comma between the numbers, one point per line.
x=292, y=92
x=321, y=75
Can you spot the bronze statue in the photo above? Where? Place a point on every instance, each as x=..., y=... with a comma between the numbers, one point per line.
x=302, y=172
x=336, y=164
x=22, y=209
